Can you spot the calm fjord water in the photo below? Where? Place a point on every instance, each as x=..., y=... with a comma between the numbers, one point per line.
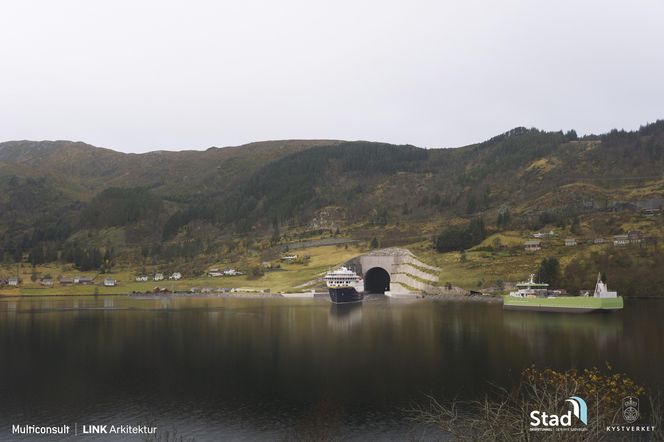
x=247, y=369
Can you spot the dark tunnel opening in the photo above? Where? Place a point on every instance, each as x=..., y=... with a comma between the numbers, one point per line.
x=377, y=280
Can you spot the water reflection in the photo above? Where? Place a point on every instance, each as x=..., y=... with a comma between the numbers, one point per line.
x=236, y=368
x=344, y=317
x=602, y=329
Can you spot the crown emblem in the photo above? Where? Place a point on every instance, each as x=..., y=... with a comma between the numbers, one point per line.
x=630, y=402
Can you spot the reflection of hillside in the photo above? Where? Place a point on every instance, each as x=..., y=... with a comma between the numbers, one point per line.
x=601, y=328
x=343, y=317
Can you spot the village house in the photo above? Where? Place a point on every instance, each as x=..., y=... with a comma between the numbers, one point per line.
x=158, y=277
x=141, y=278
x=634, y=236
x=542, y=235
x=46, y=282
x=620, y=240
x=13, y=281
x=533, y=245
x=215, y=273
x=232, y=272
x=84, y=280
x=570, y=242
x=289, y=257
x=176, y=276
x=110, y=282
x=66, y=281
x=599, y=241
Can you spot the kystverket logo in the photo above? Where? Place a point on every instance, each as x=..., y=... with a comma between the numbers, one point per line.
x=631, y=409
x=548, y=420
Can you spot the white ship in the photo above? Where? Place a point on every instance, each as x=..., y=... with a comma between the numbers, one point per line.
x=530, y=289
x=344, y=285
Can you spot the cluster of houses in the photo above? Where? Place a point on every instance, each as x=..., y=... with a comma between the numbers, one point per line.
x=12, y=281
x=631, y=237
x=81, y=280
x=175, y=276
x=215, y=273
x=110, y=282
x=63, y=281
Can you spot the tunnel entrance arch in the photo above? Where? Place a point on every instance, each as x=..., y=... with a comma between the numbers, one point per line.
x=377, y=280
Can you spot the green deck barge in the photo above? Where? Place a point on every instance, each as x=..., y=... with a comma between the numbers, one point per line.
x=566, y=304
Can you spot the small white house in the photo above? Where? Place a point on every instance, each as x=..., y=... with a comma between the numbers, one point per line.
x=158, y=277
x=141, y=278
x=620, y=240
x=533, y=245
x=176, y=276
x=570, y=242
x=541, y=235
x=13, y=281
x=289, y=257
x=215, y=273
x=110, y=282
x=598, y=241
x=232, y=272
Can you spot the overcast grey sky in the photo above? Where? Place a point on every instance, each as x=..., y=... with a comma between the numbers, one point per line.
x=145, y=75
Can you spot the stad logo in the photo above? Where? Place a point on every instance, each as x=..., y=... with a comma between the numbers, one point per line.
x=630, y=409
x=579, y=410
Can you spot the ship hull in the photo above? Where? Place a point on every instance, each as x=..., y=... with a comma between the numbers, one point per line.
x=563, y=304
x=344, y=295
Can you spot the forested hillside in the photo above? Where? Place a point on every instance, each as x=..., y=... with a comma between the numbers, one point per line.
x=58, y=196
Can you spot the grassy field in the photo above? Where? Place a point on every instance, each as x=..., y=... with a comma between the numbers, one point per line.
x=500, y=257
x=287, y=278
x=481, y=269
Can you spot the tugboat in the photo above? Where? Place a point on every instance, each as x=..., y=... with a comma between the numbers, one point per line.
x=344, y=286
x=533, y=296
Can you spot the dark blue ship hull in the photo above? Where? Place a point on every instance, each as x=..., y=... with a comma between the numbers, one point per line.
x=344, y=295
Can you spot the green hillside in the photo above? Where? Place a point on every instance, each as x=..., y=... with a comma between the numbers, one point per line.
x=161, y=208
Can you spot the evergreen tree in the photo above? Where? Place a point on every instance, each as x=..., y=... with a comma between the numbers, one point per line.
x=549, y=272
